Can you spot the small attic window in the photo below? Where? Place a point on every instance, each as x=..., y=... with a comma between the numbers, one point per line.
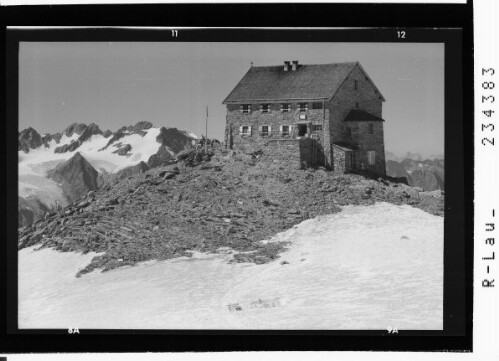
x=265, y=108
x=303, y=107
x=371, y=129
x=349, y=132
x=245, y=108
x=356, y=104
x=316, y=105
x=355, y=84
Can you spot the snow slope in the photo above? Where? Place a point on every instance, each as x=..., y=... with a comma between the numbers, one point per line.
x=367, y=267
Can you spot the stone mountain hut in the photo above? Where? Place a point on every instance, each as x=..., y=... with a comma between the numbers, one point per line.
x=323, y=114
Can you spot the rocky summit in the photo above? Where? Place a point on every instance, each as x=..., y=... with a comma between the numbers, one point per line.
x=29, y=139
x=208, y=202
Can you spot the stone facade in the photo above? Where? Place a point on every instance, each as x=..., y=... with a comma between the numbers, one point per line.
x=327, y=126
x=339, y=160
x=300, y=152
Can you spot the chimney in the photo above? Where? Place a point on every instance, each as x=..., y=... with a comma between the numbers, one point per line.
x=294, y=64
x=286, y=65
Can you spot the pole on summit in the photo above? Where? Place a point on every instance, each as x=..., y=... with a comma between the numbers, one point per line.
x=206, y=133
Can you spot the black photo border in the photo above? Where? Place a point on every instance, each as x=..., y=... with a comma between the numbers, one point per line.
x=448, y=24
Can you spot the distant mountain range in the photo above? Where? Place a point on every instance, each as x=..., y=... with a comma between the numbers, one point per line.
x=425, y=173
x=59, y=169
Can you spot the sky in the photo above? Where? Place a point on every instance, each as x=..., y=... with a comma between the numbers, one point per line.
x=170, y=84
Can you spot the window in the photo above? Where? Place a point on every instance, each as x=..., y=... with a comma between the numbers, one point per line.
x=303, y=107
x=316, y=105
x=265, y=108
x=284, y=130
x=284, y=107
x=245, y=130
x=355, y=85
x=264, y=130
x=246, y=108
x=356, y=104
x=371, y=129
x=349, y=132
x=371, y=157
x=317, y=127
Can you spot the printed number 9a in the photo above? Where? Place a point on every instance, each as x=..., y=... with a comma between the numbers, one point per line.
x=401, y=34
x=392, y=330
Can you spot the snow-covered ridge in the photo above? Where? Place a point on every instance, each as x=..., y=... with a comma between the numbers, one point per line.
x=143, y=144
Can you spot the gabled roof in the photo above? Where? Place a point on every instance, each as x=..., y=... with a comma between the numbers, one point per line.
x=357, y=115
x=308, y=82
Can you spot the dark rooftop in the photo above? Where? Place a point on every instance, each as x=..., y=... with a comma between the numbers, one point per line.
x=357, y=115
x=320, y=81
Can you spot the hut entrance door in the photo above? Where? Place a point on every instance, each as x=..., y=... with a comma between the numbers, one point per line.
x=302, y=130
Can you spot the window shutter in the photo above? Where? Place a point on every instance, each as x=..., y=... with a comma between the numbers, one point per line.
x=260, y=128
x=241, y=129
x=249, y=130
x=241, y=108
x=291, y=130
x=249, y=108
x=270, y=130
x=280, y=129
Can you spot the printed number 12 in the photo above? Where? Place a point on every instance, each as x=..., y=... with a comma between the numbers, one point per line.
x=401, y=34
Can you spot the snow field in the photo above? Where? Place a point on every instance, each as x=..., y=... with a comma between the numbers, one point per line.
x=367, y=267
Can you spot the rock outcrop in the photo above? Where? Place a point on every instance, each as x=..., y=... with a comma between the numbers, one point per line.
x=123, y=150
x=129, y=171
x=30, y=210
x=174, y=139
x=161, y=157
x=76, y=175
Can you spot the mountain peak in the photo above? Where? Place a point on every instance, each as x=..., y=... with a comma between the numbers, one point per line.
x=29, y=138
x=76, y=175
x=77, y=128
